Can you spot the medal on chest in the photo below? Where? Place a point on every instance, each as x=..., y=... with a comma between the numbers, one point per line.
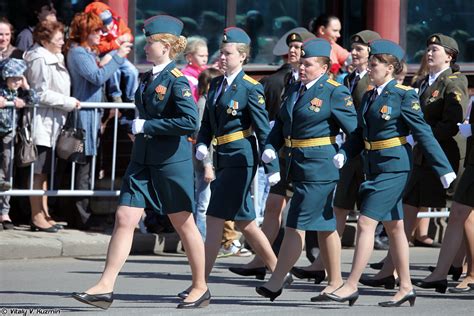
x=386, y=112
x=160, y=92
x=316, y=105
x=232, y=108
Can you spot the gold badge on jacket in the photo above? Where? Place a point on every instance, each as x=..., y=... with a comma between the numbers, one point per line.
x=261, y=99
x=160, y=92
x=386, y=112
x=457, y=96
x=316, y=104
x=348, y=101
x=186, y=92
x=415, y=105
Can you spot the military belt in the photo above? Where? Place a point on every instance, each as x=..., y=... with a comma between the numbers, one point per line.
x=310, y=142
x=232, y=137
x=386, y=143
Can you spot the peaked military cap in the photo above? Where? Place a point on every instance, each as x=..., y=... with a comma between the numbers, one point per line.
x=162, y=23
x=13, y=67
x=443, y=40
x=281, y=48
x=316, y=47
x=235, y=35
x=299, y=37
x=364, y=37
x=383, y=46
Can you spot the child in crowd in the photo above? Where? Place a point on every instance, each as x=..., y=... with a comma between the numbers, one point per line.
x=196, y=55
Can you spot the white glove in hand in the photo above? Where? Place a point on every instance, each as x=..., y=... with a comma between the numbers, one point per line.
x=338, y=160
x=410, y=140
x=201, y=152
x=272, y=123
x=268, y=155
x=465, y=130
x=137, y=126
x=447, y=179
x=273, y=178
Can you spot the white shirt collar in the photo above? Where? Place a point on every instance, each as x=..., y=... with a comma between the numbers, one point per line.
x=312, y=82
x=361, y=74
x=231, y=78
x=380, y=88
x=156, y=70
x=432, y=77
x=295, y=74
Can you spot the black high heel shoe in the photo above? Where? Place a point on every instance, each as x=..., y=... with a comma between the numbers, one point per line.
x=387, y=282
x=263, y=291
x=440, y=286
x=410, y=297
x=454, y=271
x=259, y=273
x=203, y=301
x=51, y=229
x=183, y=294
x=351, y=298
x=98, y=300
x=377, y=265
x=318, y=275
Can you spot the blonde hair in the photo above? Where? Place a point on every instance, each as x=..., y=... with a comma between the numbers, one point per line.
x=242, y=49
x=177, y=43
x=194, y=42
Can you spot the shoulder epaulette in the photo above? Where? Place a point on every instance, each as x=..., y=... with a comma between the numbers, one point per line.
x=176, y=72
x=334, y=83
x=453, y=77
x=400, y=86
x=250, y=79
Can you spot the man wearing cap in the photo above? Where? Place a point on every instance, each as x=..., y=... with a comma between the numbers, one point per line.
x=351, y=175
x=275, y=86
x=307, y=125
x=235, y=112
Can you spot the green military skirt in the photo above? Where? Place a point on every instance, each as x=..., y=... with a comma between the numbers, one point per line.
x=424, y=189
x=167, y=188
x=310, y=206
x=465, y=190
x=351, y=177
x=230, y=194
x=381, y=195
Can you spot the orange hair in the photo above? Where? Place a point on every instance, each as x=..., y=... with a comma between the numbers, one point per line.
x=82, y=26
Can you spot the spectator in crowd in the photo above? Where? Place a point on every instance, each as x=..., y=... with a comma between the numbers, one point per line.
x=7, y=50
x=203, y=170
x=48, y=75
x=87, y=80
x=329, y=27
x=114, y=34
x=41, y=10
x=196, y=55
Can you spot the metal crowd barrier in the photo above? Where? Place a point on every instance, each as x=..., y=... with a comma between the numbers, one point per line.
x=112, y=191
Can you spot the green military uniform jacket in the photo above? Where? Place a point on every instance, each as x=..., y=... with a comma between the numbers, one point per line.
x=360, y=89
x=167, y=105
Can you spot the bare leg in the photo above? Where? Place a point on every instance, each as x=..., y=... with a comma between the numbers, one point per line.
x=259, y=242
x=410, y=214
x=187, y=230
x=271, y=223
x=341, y=217
x=453, y=236
x=291, y=248
x=214, y=228
x=400, y=256
x=421, y=233
x=363, y=251
x=469, y=238
x=330, y=245
x=38, y=217
x=126, y=219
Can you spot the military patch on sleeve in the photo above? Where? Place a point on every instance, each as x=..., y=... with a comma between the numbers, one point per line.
x=457, y=96
x=415, y=105
x=400, y=86
x=348, y=101
x=250, y=79
x=176, y=72
x=261, y=99
x=186, y=92
x=334, y=83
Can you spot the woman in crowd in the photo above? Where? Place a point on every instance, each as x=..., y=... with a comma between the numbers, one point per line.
x=87, y=81
x=310, y=118
x=235, y=106
x=196, y=56
x=48, y=75
x=390, y=111
x=442, y=95
x=160, y=174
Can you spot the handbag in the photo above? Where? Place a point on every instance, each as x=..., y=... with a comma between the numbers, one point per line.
x=70, y=144
x=26, y=151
